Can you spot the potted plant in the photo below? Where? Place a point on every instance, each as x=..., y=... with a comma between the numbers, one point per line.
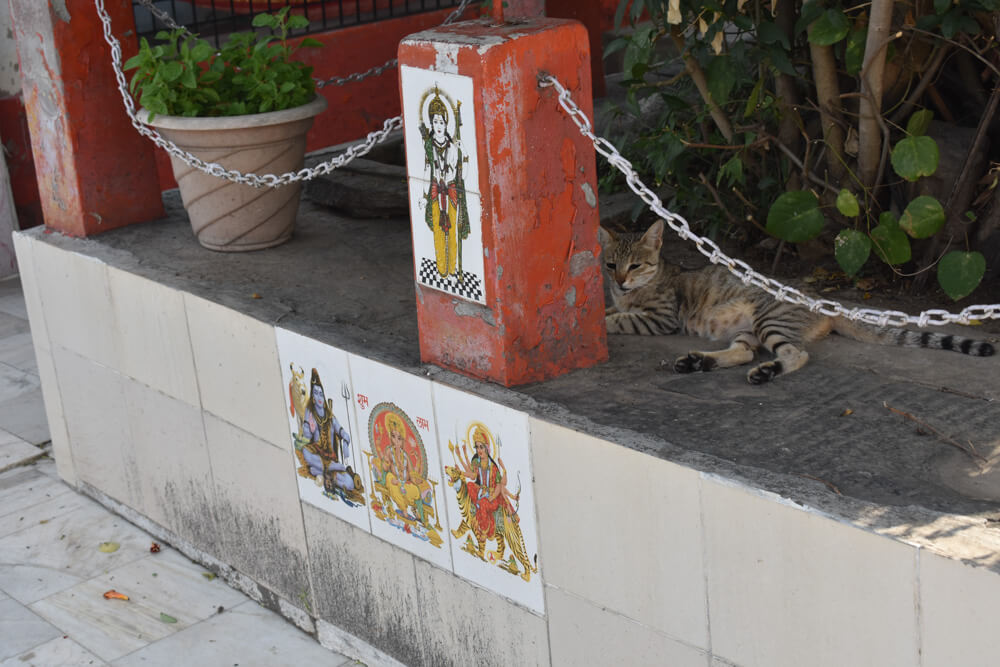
x=246, y=106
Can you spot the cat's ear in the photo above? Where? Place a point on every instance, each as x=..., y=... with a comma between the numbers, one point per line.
x=653, y=238
x=605, y=237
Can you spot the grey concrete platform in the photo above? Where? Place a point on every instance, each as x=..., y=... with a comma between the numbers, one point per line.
x=824, y=436
x=53, y=574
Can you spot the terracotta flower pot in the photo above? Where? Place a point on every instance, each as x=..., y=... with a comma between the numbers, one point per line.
x=230, y=216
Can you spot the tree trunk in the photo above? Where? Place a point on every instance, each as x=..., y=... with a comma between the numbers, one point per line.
x=828, y=95
x=870, y=109
x=701, y=83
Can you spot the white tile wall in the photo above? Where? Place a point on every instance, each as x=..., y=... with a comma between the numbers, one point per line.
x=26, y=248
x=791, y=587
x=151, y=335
x=96, y=416
x=583, y=634
x=239, y=379
x=170, y=462
x=621, y=529
x=960, y=605
x=77, y=303
x=466, y=625
x=257, y=506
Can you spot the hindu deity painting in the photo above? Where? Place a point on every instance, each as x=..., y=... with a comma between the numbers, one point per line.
x=402, y=495
x=440, y=135
x=487, y=506
x=320, y=412
x=402, y=460
x=490, y=499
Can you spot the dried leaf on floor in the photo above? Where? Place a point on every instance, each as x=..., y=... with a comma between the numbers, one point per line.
x=114, y=595
x=208, y=575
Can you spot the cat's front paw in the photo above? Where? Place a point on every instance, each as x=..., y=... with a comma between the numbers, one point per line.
x=693, y=362
x=766, y=372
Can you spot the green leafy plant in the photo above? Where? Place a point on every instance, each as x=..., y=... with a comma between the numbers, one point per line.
x=806, y=120
x=250, y=73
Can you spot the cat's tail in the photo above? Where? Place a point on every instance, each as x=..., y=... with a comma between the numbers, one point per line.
x=870, y=333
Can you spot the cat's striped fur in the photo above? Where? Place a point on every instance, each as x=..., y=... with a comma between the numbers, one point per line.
x=651, y=297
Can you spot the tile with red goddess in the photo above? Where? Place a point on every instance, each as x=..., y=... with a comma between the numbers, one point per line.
x=402, y=467
x=321, y=424
x=490, y=498
x=439, y=130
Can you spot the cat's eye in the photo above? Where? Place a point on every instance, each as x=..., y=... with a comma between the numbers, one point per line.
x=610, y=265
x=633, y=267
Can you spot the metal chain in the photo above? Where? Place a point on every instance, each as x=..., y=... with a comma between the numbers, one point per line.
x=739, y=268
x=215, y=169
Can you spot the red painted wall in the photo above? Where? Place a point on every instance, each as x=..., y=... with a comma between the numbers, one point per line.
x=21, y=165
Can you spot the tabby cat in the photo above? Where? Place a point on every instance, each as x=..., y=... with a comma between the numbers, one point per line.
x=652, y=297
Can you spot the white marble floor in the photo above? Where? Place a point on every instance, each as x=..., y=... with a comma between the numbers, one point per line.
x=53, y=572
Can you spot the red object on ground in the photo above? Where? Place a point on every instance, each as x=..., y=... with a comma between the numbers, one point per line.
x=544, y=312
x=94, y=171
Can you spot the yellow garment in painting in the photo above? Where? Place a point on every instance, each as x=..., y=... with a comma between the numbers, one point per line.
x=445, y=241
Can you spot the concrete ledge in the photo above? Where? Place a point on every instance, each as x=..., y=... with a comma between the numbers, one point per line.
x=698, y=516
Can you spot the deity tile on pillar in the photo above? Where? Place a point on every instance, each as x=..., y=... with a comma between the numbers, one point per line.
x=325, y=439
x=402, y=466
x=443, y=172
x=490, y=497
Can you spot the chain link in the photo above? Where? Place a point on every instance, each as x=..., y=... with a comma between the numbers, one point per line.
x=215, y=169
x=739, y=268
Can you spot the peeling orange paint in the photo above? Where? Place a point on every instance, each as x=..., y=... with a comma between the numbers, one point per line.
x=543, y=283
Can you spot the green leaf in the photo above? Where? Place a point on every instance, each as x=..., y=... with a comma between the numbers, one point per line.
x=188, y=79
x=941, y=6
x=753, y=99
x=721, y=78
x=923, y=217
x=732, y=171
x=831, y=27
x=919, y=122
x=108, y=547
x=311, y=43
x=847, y=203
x=202, y=51
x=795, y=216
x=769, y=33
x=914, y=157
x=780, y=60
x=264, y=21
x=172, y=71
x=888, y=220
x=854, y=52
x=851, y=249
x=890, y=244
x=298, y=22
x=167, y=618
x=614, y=46
x=959, y=273
x=811, y=11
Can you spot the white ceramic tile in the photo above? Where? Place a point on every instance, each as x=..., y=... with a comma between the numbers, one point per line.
x=152, y=337
x=248, y=635
x=17, y=453
x=94, y=408
x=24, y=489
x=26, y=248
x=331, y=488
x=583, y=634
x=410, y=514
x=496, y=493
x=13, y=304
x=25, y=416
x=596, y=502
x=466, y=625
x=21, y=629
x=258, y=511
x=55, y=420
x=61, y=651
x=363, y=585
x=791, y=587
x=169, y=463
x=77, y=303
x=238, y=374
x=442, y=162
x=61, y=548
x=959, y=605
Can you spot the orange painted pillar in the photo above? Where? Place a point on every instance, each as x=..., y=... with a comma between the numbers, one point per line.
x=95, y=172
x=503, y=200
